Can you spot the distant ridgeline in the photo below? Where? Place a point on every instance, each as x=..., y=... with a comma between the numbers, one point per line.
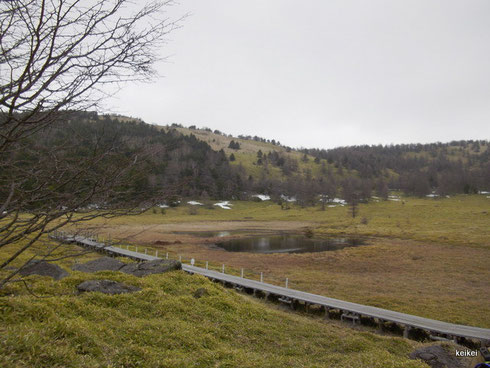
x=189, y=165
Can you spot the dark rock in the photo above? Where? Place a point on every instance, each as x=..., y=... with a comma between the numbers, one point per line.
x=427, y=356
x=437, y=356
x=99, y=264
x=151, y=267
x=106, y=287
x=43, y=268
x=200, y=293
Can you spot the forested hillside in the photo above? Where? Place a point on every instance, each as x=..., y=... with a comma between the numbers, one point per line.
x=84, y=159
x=169, y=159
x=455, y=167
x=200, y=163
x=415, y=169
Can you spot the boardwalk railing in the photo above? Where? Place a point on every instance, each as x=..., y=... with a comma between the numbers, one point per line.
x=437, y=330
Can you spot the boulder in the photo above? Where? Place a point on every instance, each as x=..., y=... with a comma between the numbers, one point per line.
x=99, y=264
x=106, y=287
x=151, y=267
x=43, y=268
x=436, y=356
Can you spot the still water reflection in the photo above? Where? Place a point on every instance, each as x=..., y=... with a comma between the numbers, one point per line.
x=287, y=244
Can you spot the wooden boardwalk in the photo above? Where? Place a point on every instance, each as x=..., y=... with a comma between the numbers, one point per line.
x=352, y=311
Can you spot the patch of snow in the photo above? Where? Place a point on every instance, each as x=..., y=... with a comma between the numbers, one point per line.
x=224, y=205
x=393, y=196
x=488, y=196
x=483, y=192
x=374, y=197
x=288, y=199
x=339, y=201
x=262, y=197
x=162, y=205
x=331, y=205
x=448, y=196
x=394, y=199
x=4, y=212
x=195, y=203
x=432, y=195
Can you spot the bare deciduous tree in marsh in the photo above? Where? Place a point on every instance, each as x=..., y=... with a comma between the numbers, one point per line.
x=58, y=57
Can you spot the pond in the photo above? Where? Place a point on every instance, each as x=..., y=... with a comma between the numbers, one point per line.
x=287, y=244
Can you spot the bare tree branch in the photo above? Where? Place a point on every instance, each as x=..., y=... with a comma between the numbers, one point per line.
x=55, y=57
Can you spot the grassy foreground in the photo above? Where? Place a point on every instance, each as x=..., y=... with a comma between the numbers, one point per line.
x=165, y=326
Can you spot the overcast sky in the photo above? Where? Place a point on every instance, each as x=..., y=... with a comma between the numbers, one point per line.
x=325, y=73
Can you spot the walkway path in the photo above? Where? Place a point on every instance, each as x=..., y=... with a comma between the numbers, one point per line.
x=352, y=311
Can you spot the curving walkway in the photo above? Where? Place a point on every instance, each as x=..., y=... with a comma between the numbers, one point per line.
x=352, y=311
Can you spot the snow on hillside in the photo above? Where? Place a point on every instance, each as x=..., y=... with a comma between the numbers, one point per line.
x=262, y=197
x=224, y=205
x=288, y=199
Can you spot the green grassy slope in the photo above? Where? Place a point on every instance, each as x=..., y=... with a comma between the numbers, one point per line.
x=165, y=326
x=247, y=154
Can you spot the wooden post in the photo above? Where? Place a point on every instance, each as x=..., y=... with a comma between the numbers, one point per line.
x=287, y=282
x=206, y=265
x=136, y=249
x=261, y=277
x=166, y=256
x=180, y=258
x=406, y=331
x=223, y=268
x=156, y=253
x=242, y=274
x=146, y=251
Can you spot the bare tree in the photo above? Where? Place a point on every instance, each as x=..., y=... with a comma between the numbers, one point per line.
x=58, y=57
